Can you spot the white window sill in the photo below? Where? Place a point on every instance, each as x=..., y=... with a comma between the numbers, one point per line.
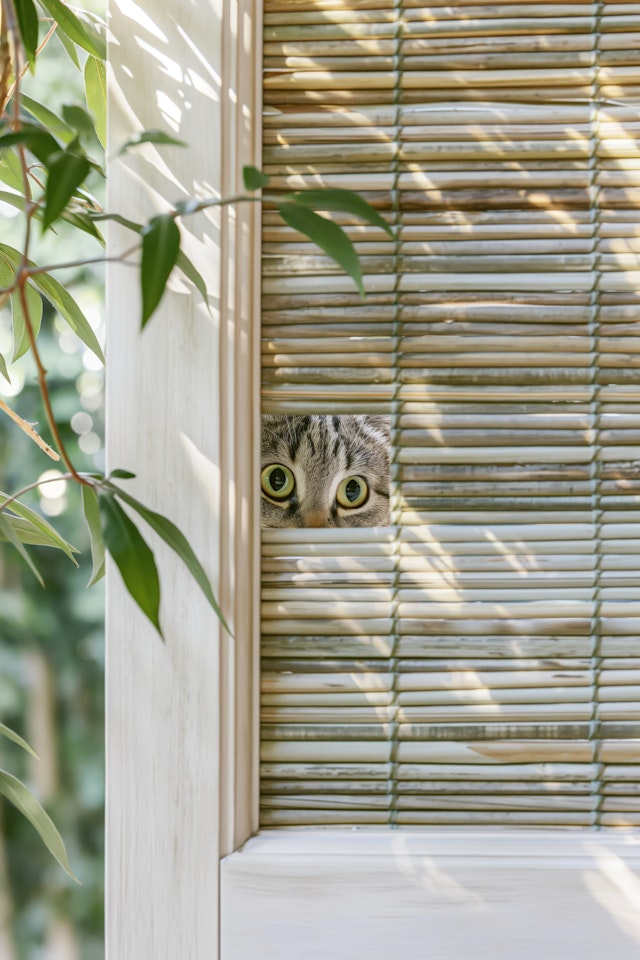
x=494, y=894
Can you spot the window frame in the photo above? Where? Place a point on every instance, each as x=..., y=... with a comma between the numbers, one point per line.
x=181, y=713
x=186, y=864
x=378, y=893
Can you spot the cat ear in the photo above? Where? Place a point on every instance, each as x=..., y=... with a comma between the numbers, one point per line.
x=380, y=423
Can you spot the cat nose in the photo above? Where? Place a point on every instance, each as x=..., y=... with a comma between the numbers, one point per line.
x=314, y=518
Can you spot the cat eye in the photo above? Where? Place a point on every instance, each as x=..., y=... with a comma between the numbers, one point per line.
x=352, y=492
x=277, y=481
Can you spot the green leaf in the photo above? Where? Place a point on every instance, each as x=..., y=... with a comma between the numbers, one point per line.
x=26, y=533
x=77, y=218
x=9, y=262
x=122, y=474
x=35, y=138
x=10, y=170
x=3, y=369
x=344, y=201
x=160, y=247
x=95, y=82
x=150, y=136
x=79, y=119
x=192, y=274
x=94, y=27
x=28, y=23
x=92, y=516
x=21, y=342
x=254, y=179
x=59, y=298
x=83, y=221
x=74, y=28
x=8, y=532
x=12, y=735
x=327, y=235
x=133, y=558
x=50, y=120
x=68, y=309
x=66, y=172
x=177, y=541
x=69, y=47
x=48, y=534
x=22, y=798
x=13, y=199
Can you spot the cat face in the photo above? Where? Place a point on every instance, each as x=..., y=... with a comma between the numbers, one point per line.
x=325, y=471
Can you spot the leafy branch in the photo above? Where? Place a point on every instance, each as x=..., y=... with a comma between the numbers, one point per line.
x=48, y=162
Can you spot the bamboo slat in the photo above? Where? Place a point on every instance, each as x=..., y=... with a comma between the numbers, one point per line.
x=453, y=715
x=495, y=27
x=513, y=806
x=490, y=647
x=506, y=818
x=568, y=55
x=477, y=663
x=484, y=775
x=425, y=682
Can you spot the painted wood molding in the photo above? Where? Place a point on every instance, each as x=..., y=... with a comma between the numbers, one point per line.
x=493, y=895
x=182, y=414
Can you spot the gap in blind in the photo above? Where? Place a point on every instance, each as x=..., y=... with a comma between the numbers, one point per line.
x=325, y=471
x=476, y=662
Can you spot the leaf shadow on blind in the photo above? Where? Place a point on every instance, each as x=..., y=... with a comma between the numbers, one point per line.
x=476, y=662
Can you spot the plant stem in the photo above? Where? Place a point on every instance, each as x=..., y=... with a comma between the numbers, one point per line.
x=42, y=382
x=90, y=480
x=25, y=67
x=29, y=430
x=34, y=271
x=23, y=275
x=32, y=486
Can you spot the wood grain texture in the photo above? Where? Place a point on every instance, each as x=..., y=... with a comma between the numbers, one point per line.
x=445, y=894
x=179, y=752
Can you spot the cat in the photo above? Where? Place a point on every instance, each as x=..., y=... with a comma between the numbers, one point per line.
x=325, y=471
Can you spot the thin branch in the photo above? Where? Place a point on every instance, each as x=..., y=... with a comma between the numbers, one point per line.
x=38, y=183
x=208, y=202
x=42, y=381
x=29, y=430
x=41, y=483
x=29, y=208
x=5, y=60
x=31, y=486
x=25, y=67
x=33, y=271
x=21, y=280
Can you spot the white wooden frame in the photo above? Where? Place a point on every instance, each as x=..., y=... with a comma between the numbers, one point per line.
x=183, y=413
x=436, y=894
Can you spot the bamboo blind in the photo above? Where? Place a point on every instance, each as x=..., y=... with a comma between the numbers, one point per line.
x=478, y=662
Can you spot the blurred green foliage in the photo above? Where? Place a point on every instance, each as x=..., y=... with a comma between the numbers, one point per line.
x=51, y=640
x=63, y=625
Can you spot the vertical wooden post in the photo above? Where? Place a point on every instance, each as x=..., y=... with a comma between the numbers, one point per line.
x=181, y=415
